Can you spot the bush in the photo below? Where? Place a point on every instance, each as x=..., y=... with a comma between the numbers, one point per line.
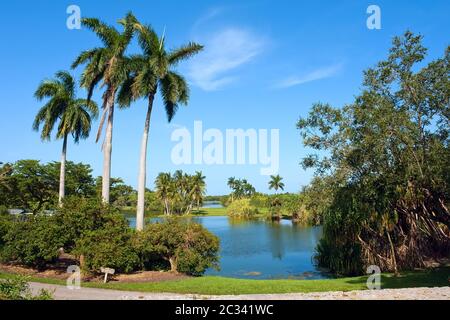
x=5, y=222
x=109, y=246
x=80, y=216
x=34, y=241
x=187, y=247
x=242, y=208
x=17, y=289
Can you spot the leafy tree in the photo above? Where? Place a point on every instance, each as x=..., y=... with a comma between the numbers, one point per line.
x=106, y=65
x=34, y=186
x=150, y=71
x=187, y=247
x=31, y=186
x=74, y=115
x=387, y=158
x=108, y=246
x=78, y=180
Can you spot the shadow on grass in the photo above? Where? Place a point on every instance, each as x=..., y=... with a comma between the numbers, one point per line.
x=438, y=277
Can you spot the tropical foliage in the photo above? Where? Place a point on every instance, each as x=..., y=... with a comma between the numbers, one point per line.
x=240, y=188
x=242, y=208
x=180, y=193
x=387, y=163
x=148, y=72
x=72, y=115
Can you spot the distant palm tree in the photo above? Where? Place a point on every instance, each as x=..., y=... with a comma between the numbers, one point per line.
x=276, y=183
x=107, y=64
x=74, y=116
x=164, y=190
x=199, y=188
x=149, y=72
x=232, y=185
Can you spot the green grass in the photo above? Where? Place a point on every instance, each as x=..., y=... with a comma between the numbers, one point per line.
x=204, y=212
x=229, y=286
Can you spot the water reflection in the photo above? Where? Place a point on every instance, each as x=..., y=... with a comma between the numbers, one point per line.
x=258, y=249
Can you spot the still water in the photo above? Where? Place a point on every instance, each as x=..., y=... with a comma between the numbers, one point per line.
x=263, y=250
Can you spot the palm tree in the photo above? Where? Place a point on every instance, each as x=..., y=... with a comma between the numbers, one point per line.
x=199, y=188
x=149, y=72
x=108, y=65
x=276, y=183
x=232, y=185
x=164, y=190
x=74, y=115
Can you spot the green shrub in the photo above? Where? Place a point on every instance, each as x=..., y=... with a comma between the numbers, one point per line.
x=109, y=246
x=34, y=241
x=188, y=247
x=242, y=208
x=17, y=289
x=5, y=221
x=3, y=210
x=79, y=216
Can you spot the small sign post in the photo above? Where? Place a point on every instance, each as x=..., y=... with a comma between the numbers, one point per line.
x=107, y=271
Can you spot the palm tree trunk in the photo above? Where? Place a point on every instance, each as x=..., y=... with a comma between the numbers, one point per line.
x=107, y=150
x=62, y=172
x=143, y=169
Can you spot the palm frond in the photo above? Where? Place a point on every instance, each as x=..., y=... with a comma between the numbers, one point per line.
x=184, y=52
x=107, y=34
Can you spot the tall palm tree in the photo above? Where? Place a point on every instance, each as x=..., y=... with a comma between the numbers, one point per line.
x=74, y=116
x=150, y=71
x=276, y=183
x=107, y=66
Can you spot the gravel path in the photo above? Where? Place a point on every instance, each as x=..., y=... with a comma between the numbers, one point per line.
x=63, y=293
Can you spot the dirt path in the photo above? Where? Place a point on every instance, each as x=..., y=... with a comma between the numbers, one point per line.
x=63, y=293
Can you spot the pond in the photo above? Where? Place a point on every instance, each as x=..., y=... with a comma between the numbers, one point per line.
x=263, y=250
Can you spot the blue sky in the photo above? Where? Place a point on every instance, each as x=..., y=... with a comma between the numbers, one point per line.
x=265, y=63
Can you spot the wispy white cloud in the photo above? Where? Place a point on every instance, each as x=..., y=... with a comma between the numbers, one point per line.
x=318, y=74
x=225, y=51
x=209, y=15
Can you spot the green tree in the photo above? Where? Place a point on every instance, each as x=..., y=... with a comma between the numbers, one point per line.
x=198, y=189
x=74, y=116
x=106, y=65
x=150, y=71
x=276, y=183
x=164, y=190
x=387, y=159
x=186, y=247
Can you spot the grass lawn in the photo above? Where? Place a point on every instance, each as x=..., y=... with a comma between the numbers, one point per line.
x=228, y=286
x=204, y=212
